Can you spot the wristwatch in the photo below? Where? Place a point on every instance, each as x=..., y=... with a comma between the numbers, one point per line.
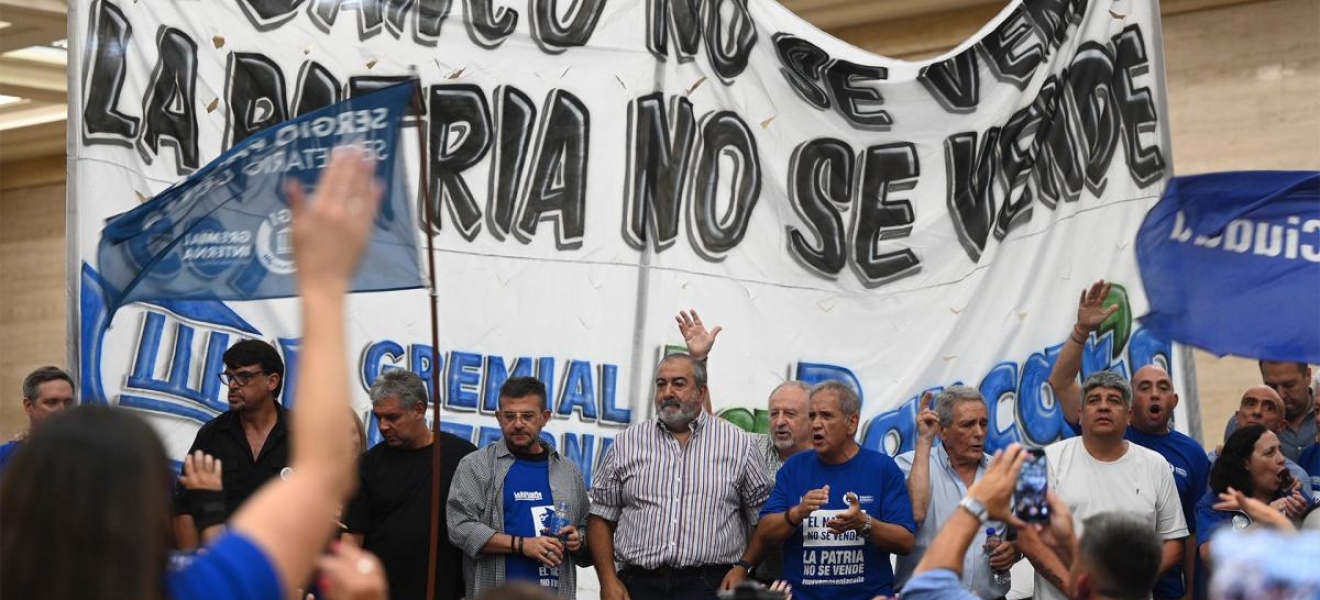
x=865, y=531
x=974, y=506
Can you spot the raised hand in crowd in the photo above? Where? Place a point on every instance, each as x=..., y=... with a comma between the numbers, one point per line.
x=699, y=340
x=201, y=471
x=1292, y=506
x=1260, y=512
x=1091, y=309
x=928, y=421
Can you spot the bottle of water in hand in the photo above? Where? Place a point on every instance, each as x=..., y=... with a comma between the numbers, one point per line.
x=992, y=541
x=563, y=518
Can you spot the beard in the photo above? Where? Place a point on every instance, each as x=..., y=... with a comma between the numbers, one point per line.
x=677, y=415
x=787, y=443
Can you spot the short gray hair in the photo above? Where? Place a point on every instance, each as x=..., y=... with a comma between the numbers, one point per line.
x=952, y=396
x=698, y=366
x=1110, y=380
x=849, y=403
x=401, y=384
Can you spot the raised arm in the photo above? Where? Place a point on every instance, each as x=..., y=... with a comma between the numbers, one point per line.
x=291, y=520
x=918, y=482
x=1091, y=312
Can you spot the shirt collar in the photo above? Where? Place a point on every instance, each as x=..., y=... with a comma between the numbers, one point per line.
x=695, y=426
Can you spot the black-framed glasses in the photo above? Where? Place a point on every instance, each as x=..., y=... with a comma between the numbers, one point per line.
x=241, y=378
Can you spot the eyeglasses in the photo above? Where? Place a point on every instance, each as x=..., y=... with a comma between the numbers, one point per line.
x=242, y=379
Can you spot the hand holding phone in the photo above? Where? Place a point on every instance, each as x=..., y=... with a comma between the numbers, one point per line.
x=1029, y=502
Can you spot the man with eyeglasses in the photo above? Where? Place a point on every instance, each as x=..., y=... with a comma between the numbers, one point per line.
x=505, y=500
x=250, y=440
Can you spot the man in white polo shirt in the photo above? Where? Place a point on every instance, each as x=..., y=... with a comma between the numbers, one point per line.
x=1100, y=471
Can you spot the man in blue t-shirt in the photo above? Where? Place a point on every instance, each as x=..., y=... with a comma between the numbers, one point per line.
x=505, y=498
x=1153, y=402
x=47, y=392
x=838, y=511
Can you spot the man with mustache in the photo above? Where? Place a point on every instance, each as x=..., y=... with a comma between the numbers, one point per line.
x=504, y=501
x=250, y=440
x=1153, y=402
x=939, y=476
x=839, y=511
x=1100, y=471
x=790, y=433
x=674, y=496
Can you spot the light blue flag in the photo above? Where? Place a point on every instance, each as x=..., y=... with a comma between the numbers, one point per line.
x=224, y=233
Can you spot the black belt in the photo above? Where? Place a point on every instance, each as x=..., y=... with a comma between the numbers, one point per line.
x=668, y=571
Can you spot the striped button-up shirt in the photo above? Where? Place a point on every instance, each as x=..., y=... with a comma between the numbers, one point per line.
x=475, y=513
x=680, y=505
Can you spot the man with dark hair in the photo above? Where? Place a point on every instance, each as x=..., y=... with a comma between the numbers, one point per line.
x=839, y=511
x=674, y=496
x=1292, y=382
x=250, y=440
x=1100, y=471
x=391, y=513
x=1116, y=559
x=1154, y=399
x=47, y=392
x=938, y=476
x=507, y=496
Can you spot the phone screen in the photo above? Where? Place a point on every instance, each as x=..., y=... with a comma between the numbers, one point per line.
x=1029, y=497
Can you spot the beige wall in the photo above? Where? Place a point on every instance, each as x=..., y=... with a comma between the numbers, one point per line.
x=32, y=287
x=1244, y=93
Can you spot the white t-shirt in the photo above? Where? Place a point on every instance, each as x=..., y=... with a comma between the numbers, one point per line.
x=1139, y=483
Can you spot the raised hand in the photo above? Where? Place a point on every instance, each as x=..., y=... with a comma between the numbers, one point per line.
x=699, y=340
x=1091, y=311
x=1264, y=514
x=201, y=471
x=995, y=488
x=928, y=421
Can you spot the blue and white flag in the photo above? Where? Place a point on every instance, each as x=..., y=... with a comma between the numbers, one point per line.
x=1231, y=264
x=224, y=233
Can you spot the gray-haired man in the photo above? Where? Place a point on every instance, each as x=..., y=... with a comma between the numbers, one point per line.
x=391, y=513
x=1100, y=471
x=938, y=477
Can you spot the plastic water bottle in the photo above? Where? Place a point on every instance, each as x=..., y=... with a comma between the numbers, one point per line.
x=992, y=541
x=561, y=520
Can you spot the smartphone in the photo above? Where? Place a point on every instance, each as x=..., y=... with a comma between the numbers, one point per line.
x=1029, y=502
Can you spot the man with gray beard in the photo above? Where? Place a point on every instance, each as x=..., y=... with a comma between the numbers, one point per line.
x=674, y=496
x=790, y=433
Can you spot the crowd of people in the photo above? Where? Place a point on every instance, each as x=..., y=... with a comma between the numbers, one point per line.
x=276, y=504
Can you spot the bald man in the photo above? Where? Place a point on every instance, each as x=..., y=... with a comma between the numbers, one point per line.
x=1153, y=402
x=1261, y=405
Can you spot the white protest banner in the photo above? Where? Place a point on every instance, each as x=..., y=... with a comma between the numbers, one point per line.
x=595, y=167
